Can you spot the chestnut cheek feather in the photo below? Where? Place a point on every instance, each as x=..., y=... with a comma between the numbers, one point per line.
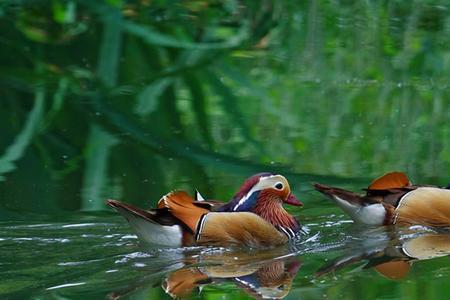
x=292, y=200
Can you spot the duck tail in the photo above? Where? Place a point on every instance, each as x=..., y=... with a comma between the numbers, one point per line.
x=155, y=226
x=338, y=194
x=363, y=209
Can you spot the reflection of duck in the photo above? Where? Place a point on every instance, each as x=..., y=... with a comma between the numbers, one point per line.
x=254, y=217
x=395, y=258
x=392, y=199
x=259, y=276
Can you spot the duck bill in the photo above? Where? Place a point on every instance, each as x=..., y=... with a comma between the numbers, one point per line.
x=292, y=200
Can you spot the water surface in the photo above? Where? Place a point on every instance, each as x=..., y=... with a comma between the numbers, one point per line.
x=96, y=256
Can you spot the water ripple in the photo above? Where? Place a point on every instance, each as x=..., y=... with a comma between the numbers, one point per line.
x=65, y=285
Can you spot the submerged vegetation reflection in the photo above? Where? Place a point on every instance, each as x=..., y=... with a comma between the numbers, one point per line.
x=130, y=99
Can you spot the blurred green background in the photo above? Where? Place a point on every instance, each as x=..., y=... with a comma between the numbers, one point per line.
x=131, y=99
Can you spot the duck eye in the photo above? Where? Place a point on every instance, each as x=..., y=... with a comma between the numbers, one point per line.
x=279, y=186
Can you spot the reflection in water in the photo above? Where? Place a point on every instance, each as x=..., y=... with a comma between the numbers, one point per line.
x=98, y=257
x=261, y=279
x=262, y=275
x=176, y=96
x=394, y=256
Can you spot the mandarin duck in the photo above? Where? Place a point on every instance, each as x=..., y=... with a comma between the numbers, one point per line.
x=393, y=199
x=395, y=258
x=254, y=217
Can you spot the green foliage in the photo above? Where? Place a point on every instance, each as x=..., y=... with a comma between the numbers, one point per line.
x=17, y=149
x=189, y=92
x=94, y=188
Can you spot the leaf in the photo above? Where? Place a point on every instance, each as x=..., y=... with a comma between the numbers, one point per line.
x=237, y=75
x=15, y=151
x=108, y=61
x=58, y=101
x=199, y=106
x=64, y=12
x=230, y=105
x=147, y=100
x=154, y=37
x=179, y=148
x=99, y=146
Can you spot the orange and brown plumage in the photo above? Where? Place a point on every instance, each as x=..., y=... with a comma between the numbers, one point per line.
x=393, y=199
x=254, y=217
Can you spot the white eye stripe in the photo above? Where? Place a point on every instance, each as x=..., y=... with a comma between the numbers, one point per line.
x=264, y=182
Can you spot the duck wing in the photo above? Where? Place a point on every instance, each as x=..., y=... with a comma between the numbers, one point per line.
x=238, y=228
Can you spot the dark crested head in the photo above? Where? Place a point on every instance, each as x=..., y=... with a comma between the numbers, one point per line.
x=249, y=183
x=261, y=187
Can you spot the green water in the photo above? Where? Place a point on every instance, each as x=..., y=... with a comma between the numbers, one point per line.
x=130, y=100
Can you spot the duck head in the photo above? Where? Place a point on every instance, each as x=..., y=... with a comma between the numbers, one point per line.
x=261, y=189
x=264, y=194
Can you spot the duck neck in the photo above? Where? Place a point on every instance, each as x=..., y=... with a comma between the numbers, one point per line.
x=272, y=210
